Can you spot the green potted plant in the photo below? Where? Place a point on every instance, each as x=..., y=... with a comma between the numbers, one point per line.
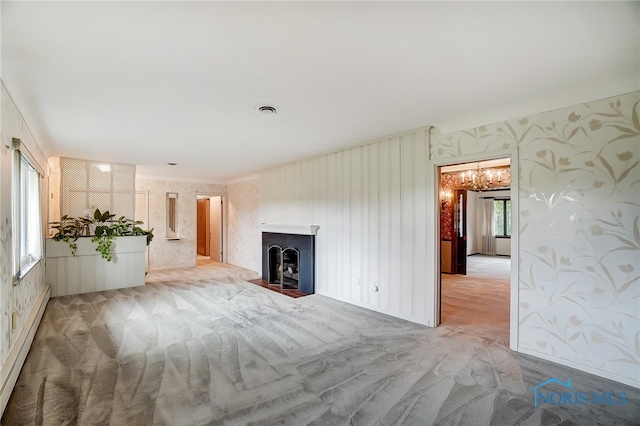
x=105, y=229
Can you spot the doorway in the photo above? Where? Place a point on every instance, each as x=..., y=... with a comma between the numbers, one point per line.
x=209, y=229
x=475, y=278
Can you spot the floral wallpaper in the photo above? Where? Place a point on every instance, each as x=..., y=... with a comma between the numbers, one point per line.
x=165, y=253
x=20, y=298
x=244, y=242
x=447, y=183
x=579, y=229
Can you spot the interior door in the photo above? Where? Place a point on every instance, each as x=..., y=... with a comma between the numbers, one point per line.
x=460, y=230
x=201, y=227
x=216, y=228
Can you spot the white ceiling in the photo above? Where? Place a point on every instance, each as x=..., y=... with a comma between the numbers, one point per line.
x=156, y=82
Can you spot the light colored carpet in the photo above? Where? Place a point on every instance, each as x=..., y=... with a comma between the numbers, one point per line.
x=203, y=347
x=479, y=302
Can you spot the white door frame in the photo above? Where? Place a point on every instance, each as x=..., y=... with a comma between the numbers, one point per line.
x=223, y=197
x=434, y=177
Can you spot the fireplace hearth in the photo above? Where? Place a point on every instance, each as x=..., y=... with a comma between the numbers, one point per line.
x=288, y=261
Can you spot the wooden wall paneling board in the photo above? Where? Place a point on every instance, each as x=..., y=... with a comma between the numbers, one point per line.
x=330, y=236
x=355, y=221
x=88, y=275
x=344, y=228
x=293, y=183
x=364, y=226
x=301, y=185
x=120, y=273
x=420, y=226
x=109, y=274
x=98, y=269
x=50, y=273
x=61, y=274
x=309, y=179
x=317, y=217
x=71, y=279
x=296, y=173
x=385, y=225
x=396, y=225
x=373, y=230
x=407, y=238
x=275, y=196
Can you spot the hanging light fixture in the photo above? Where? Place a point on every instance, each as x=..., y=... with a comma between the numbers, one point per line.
x=481, y=179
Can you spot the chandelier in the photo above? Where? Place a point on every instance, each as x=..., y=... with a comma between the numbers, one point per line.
x=480, y=179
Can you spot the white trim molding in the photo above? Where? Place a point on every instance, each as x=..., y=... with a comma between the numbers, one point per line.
x=11, y=368
x=290, y=229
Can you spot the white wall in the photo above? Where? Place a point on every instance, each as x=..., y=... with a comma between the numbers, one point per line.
x=578, y=209
x=165, y=253
x=244, y=237
x=372, y=211
x=578, y=271
x=28, y=298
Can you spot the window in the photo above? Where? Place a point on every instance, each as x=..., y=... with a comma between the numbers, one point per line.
x=502, y=215
x=27, y=225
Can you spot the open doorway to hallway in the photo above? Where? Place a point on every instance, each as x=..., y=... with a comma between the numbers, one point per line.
x=209, y=229
x=475, y=231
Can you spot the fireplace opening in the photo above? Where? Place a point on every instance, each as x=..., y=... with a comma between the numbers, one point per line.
x=290, y=265
x=275, y=265
x=284, y=265
x=288, y=261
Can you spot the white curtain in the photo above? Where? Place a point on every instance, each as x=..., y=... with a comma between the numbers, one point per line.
x=488, y=221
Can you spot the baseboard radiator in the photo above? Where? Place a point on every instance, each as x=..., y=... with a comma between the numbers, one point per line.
x=11, y=368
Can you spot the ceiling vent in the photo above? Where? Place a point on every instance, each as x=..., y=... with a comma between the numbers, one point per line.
x=267, y=109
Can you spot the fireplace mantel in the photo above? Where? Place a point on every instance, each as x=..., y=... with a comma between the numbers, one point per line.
x=289, y=229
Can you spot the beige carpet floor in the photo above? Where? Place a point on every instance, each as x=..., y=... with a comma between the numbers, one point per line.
x=478, y=302
x=203, y=347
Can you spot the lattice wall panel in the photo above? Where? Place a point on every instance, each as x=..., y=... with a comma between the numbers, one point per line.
x=88, y=185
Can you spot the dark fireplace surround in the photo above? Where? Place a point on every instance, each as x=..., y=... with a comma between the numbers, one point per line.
x=288, y=259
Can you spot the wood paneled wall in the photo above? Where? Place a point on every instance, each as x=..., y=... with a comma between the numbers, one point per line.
x=371, y=205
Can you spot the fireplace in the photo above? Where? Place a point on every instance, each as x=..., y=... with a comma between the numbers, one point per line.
x=284, y=266
x=288, y=257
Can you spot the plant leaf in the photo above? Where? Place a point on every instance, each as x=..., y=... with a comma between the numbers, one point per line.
x=626, y=172
x=608, y=166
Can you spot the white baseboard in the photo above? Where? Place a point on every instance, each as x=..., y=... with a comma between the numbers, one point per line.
x=376, y=309
x=595, y=371
x=18, y=354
